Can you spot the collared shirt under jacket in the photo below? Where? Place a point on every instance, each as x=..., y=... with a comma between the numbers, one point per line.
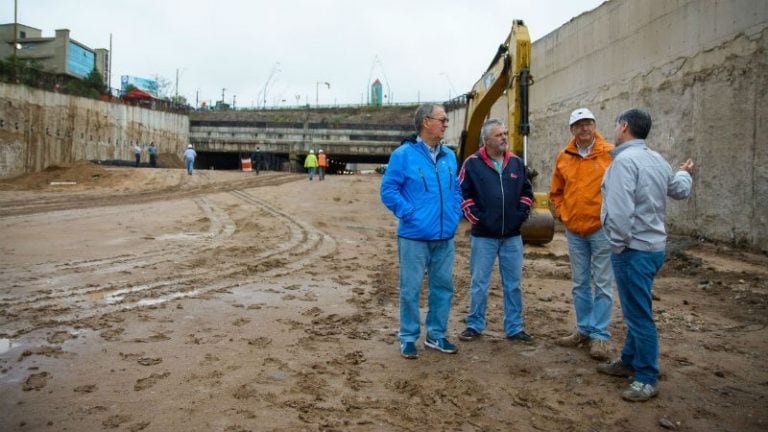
x=495, y=202
x=575, y=186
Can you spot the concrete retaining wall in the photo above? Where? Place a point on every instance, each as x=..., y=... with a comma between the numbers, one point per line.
x=701, y=68
x=39, y=129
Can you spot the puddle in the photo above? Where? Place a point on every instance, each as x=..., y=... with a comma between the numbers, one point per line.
x=159, y=300
x=5, y=345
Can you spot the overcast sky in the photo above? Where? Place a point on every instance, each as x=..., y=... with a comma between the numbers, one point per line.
x=421, y=50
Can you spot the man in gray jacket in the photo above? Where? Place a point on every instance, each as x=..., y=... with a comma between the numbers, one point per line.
x=634, y=190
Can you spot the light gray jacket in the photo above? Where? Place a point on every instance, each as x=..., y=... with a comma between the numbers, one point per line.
x=635, y=189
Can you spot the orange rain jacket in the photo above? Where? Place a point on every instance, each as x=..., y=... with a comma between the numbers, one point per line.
x=575, y=185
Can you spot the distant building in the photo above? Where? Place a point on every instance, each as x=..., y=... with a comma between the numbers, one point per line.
x=376, y=93
x=59, y=54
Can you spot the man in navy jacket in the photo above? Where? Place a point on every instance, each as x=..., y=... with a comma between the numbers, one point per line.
x=497, y=199
x=420, y=186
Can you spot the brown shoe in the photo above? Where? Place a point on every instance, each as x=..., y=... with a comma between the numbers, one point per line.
x=600, y=349
x=574, y=340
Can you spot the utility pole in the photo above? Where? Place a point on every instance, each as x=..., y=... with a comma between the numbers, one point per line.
x=15, y=35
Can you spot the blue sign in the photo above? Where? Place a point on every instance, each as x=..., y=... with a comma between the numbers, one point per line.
x=80, y=61
x=143, y=84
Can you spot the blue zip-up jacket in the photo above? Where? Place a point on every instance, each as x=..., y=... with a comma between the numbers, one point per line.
x=424, y=195
x=495, y=203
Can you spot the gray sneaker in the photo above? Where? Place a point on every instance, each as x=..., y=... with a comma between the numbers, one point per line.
x=640, y=392
x=616, y=368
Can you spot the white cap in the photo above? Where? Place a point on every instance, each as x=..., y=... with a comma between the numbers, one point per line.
x=581, y=114
x=189, y=146
x=312, y=151
x=320, y=151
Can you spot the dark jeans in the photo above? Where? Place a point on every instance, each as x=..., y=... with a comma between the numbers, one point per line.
x=634, y=271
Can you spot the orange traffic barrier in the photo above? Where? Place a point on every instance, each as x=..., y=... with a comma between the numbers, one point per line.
x=245, y=164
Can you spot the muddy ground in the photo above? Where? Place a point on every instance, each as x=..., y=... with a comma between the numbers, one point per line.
x=147, y=299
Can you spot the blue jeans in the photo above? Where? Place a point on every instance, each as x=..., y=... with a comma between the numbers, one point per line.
x=634, y=271
x=592, y=280
x=436, y=258
x=190, y=165
x=311, y=172
x=483, y=254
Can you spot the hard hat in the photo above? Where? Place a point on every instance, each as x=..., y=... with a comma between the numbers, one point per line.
x=189, y=146
x=320, y=151
x=311, y=152
x=581, y=114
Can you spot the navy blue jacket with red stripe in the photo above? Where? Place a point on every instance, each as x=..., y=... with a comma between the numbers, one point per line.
x=495, y=203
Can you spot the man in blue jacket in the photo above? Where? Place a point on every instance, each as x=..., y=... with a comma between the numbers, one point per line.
x=497, y=200
x=421, y=188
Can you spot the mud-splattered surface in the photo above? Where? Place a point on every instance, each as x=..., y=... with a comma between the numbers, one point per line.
x=142, y=299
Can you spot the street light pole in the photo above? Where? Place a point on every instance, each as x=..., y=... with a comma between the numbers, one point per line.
x=317, y=92
x=275, y=68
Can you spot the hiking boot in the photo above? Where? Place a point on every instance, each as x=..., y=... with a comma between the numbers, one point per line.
x=408, y=350
x=572, y=341
x=441, y=345
x=469, y=334
x=640, y=392
x=616, y=368
x=600, y=349
x=521, y=336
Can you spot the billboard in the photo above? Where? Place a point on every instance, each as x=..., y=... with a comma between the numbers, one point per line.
x=80, y=61
x=144, y=84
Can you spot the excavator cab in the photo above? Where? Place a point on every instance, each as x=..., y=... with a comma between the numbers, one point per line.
x=509, y=75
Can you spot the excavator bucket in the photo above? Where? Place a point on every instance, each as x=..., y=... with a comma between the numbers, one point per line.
x=539, y=229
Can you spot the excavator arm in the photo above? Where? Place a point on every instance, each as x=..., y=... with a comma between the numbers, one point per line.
x=509, y=75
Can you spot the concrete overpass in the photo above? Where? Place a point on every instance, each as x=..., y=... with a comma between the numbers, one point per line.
x=285, y=138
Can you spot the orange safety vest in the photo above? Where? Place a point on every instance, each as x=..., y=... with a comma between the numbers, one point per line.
x=321, y=160
x=575, y=186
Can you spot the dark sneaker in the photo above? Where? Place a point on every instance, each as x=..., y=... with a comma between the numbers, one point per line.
x=469, y=334
x=408, y=350
x=640, y=392
x=521, y=336
x=441, y=345
x=616, y=368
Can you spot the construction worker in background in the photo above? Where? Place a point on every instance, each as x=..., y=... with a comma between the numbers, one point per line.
x=137, y=153
x=322, y=164
x=189, y=159
x=310, y=163
x=256, y=160
x=152, y=150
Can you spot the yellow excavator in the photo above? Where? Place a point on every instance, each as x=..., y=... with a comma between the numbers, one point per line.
x=509, y=74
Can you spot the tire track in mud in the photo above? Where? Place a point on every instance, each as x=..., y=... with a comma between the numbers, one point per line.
x=49, y=203
x=41, y=277
x=74, y=303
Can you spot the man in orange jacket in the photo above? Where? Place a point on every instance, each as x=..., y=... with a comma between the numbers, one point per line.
x=575, y=193
x=322, y=164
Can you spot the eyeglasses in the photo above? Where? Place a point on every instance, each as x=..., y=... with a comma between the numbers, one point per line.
x=442, y=120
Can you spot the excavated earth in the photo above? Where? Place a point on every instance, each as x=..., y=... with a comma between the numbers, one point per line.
x=148, y=299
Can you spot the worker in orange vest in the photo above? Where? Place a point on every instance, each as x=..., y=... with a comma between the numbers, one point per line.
x=322, y=164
